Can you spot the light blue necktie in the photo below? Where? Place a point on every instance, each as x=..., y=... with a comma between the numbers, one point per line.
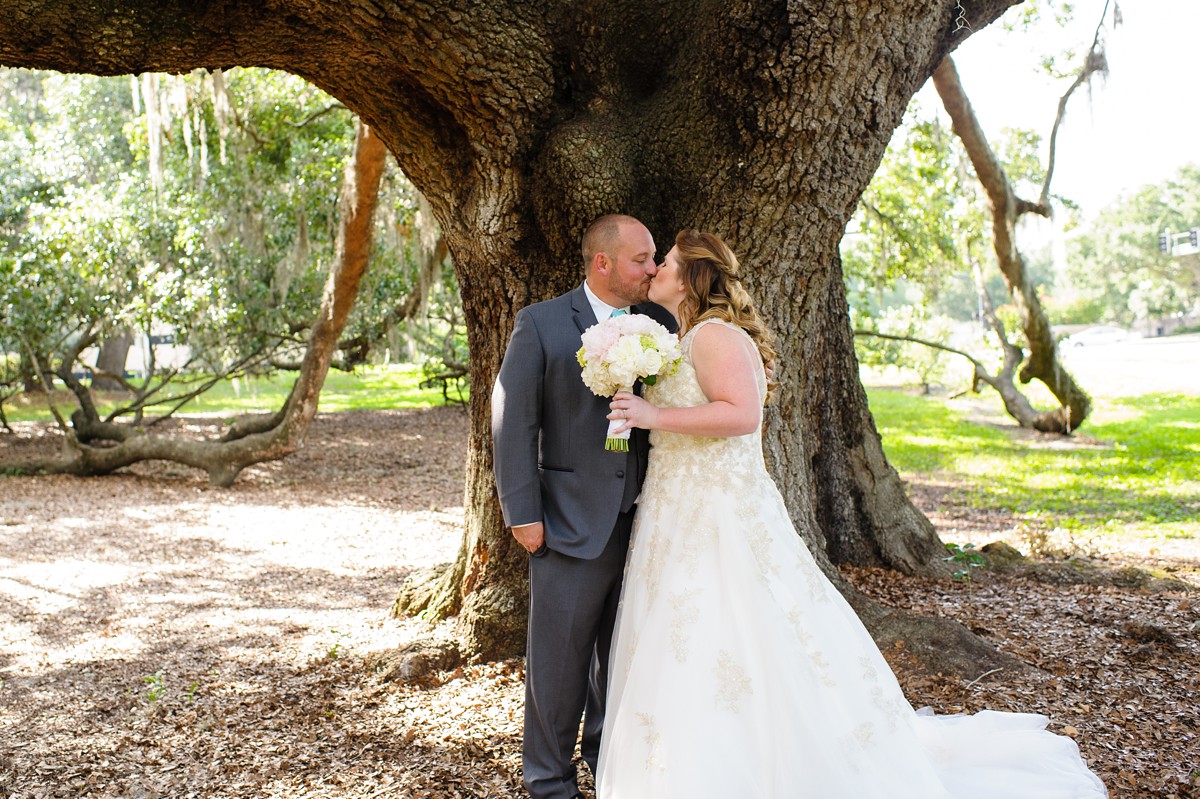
x=618, y=312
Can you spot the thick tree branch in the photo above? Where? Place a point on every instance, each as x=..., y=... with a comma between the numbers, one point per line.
x=1043, y=362
x=427, y=92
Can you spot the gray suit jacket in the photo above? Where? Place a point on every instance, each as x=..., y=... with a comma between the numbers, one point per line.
x=548, y=432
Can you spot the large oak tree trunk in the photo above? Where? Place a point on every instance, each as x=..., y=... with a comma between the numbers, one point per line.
x=762, y=121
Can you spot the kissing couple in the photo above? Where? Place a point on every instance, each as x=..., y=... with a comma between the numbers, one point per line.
x=674, y=610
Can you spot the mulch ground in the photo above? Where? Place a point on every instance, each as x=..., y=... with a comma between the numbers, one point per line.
x=160, y=638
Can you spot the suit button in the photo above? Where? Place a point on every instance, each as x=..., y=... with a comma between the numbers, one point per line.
x=621, y=473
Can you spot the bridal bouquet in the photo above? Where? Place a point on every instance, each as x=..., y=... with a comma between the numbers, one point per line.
x=621, y=350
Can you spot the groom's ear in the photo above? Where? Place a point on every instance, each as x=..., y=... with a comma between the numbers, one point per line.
x=600, y=264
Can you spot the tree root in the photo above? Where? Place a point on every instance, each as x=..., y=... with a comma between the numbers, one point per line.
x=1005, y=559
x=937, y=646
x=418, y=662
x=429, y=593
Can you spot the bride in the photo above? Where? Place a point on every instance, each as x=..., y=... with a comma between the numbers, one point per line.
x=737, y=669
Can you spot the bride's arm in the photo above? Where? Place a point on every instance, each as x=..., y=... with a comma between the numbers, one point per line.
x=725, y=364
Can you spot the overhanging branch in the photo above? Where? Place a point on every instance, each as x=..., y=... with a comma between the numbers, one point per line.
x=1093, y=63
x=923, y=342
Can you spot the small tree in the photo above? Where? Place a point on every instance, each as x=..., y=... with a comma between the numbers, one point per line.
x=193, y=208
x=930, y=244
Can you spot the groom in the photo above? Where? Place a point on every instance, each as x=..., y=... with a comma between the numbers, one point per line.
x=569, y=501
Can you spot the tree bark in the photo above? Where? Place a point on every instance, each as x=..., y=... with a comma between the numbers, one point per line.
x=1043, y=364
x=114, y=351
x=31, y=381
x=860, y=497
x=762, y=121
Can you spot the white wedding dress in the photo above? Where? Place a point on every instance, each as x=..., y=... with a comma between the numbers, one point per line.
x=739, y=672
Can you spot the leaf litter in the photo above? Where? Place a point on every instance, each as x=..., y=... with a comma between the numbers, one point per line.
x=161, y=638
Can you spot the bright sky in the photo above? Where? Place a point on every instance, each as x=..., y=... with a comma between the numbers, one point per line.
x=1139, y=126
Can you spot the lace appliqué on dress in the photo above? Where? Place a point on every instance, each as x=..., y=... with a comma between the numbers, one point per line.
x=733, y=684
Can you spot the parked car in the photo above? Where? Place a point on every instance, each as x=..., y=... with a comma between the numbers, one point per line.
x=1100, y=334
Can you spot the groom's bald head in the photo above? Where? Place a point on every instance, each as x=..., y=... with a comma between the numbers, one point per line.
x=604, y=236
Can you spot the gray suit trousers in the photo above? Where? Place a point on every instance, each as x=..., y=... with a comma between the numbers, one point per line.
x=572, y=608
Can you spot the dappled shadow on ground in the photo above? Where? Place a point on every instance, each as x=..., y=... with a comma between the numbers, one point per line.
x=166, y=639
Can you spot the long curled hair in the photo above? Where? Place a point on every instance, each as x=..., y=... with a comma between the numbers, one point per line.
x=713, y=290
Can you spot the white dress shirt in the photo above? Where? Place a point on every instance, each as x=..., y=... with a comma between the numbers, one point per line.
x=601, y=308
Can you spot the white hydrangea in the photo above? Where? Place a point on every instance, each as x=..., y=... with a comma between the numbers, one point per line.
x=618, y=352
x=621, y=350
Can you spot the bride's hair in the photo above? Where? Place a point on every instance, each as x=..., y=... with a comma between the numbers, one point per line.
x=713, y=289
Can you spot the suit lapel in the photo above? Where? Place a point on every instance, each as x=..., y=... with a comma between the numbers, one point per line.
x=585, y=317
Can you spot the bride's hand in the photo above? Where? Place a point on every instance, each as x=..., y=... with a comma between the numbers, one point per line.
x=633, y=410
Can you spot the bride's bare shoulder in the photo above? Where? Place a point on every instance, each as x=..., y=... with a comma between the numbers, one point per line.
x=718, y=340
x=717, y=331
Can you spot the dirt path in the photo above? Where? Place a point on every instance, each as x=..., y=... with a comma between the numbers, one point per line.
x=159, y=638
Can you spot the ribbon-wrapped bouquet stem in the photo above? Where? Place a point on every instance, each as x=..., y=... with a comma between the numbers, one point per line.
x=621, y=350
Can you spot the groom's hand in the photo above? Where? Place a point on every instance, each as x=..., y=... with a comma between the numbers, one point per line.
x=532, y=537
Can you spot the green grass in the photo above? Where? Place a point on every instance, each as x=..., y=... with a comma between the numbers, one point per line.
x=376, y=388
x=1133, y=468
x=371, y=389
